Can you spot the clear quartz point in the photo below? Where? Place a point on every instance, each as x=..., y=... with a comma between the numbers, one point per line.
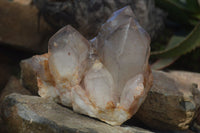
x=68, y=53
x=123, y=46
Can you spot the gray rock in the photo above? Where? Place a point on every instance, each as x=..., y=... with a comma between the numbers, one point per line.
x=88, y=15
x=26, y=114
x=171, y=104
x=187, y=76
x=197, y=121
x=193, y=78
x=13, y=85
x=20, y=28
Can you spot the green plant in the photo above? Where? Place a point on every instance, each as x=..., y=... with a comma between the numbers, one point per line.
x=188, y=13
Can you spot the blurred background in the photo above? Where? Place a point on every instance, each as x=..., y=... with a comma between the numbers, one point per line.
x=26, y=26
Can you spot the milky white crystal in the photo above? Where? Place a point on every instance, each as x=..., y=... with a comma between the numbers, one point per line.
x=99, y=84
x=68, y=52
x=109, y=84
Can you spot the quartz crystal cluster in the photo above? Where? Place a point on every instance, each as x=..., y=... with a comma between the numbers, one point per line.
x=107, y=78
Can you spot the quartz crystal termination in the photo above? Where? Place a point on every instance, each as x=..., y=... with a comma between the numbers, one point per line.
x=123, y=46
x=68, y=52
x=109, y=84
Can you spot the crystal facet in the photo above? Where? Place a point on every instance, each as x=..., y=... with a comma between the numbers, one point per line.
x=68, y=52
x=124, y=47
x=107, y=78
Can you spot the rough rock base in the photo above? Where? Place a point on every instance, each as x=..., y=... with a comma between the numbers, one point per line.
x=25, y=114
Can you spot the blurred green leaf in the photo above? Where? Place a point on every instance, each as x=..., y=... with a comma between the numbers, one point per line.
x=164, y=62
x=185, y=12
x=174, y=41
x=186, y=5
x=182, y=11
x=177, y=46
x=189, y=43
x=197, y=16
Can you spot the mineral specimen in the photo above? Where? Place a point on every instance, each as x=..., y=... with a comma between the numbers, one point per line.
x=107, y=78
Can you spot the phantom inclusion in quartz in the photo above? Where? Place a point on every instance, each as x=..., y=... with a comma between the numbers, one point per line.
x=107, y=78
